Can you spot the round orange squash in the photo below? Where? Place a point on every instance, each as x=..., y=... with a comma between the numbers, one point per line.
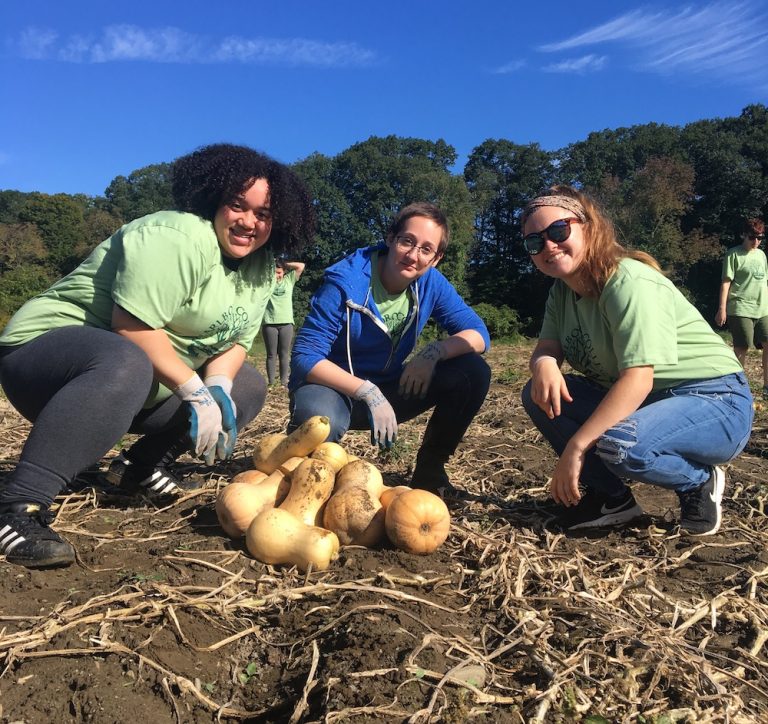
x=417, y=521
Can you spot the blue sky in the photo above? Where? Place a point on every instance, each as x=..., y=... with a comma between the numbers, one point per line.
x=92, y=89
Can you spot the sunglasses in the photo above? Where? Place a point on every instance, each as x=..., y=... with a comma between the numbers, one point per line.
x=756, y=237
x=558, y=232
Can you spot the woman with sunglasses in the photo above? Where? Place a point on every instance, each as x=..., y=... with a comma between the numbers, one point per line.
x=743, y=299
x=349, y=359
x=660, y=398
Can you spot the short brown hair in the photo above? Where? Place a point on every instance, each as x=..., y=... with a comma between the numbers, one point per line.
x=425, y=209
x=754, y=227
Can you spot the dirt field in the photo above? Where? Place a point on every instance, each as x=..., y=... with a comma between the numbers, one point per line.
x=164, y=619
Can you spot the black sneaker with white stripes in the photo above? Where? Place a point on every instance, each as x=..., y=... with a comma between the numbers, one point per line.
x=27, y=540
x=157, y=482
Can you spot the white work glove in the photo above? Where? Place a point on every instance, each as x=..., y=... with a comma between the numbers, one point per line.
x=418, y=373
x=220, y=387
x=381, y=416
x=204, y=417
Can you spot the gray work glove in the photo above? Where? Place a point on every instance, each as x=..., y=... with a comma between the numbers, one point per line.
x=204, y=417
x=381, y=416
x=220, y=387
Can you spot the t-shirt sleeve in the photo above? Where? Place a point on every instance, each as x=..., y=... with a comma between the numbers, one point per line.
x=159, y=270
x=729, y=267
x=550, y=327
x=641, y=316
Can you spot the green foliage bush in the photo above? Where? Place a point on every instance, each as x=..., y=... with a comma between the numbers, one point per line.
x=503, y=322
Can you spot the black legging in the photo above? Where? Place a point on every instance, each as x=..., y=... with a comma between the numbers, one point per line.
x=84, y=388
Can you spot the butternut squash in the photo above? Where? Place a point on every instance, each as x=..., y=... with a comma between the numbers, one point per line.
x=360, y=473
x=389, y=494
x=264, y=448
x=417, y=521
x=300, y=443
x=332, y=453
x=355, y=516
x=276, y=537
x=252, y=477
x=238, y=504
x=311, y=486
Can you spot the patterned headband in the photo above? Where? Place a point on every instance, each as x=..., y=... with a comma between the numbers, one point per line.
x=563, y=202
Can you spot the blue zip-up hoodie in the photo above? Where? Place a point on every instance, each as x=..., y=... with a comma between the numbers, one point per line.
x=345, y=327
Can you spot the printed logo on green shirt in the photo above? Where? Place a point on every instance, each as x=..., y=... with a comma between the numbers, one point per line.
x=581, y=355
x=222, y=334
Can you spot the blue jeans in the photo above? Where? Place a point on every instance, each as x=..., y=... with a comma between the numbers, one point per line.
x=456, y=393
x=672, y=441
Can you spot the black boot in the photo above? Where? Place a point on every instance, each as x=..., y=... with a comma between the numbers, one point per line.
x=27, y=540
x=429, y=474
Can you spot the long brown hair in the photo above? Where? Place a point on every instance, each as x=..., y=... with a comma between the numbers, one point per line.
x=602, y=251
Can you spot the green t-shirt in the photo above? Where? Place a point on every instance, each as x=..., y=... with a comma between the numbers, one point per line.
x=280, y=305
x=393, y=308
x=166, y=269
x=640, y=319
x=748, y=272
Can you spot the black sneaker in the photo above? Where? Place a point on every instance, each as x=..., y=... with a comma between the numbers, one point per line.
x=156, y=483
x=595, y=510
x=701, y=509
x=27, y=540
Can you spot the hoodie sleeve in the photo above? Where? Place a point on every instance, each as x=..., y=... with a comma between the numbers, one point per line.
x=452, y=313
x=319, y=331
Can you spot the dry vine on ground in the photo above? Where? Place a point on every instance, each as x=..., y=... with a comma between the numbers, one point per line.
x=164, y=619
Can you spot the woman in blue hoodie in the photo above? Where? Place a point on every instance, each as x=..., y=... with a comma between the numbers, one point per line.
x=349, y=359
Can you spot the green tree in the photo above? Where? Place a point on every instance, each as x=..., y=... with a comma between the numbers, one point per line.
x=60, y=220
x=501, y=176
x=143, y=192
x=20, y=244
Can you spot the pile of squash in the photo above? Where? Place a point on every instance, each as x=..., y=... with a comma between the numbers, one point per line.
x=306, y=497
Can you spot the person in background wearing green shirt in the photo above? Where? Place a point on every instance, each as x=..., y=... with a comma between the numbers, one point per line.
x=277, y=327
x=743, y=298
x=148, y=335
x=660, y=397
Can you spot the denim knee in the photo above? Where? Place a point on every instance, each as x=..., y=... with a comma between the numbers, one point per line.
x=311, y=399
x=615, y=448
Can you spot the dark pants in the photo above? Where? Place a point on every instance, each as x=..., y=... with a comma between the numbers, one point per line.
x=84, y=388
x=456, y=393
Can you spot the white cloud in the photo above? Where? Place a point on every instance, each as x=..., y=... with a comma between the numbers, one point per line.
x=172, y=45
x=36, y=43
x=512, y=67
x=585, y=64
x=721, y=39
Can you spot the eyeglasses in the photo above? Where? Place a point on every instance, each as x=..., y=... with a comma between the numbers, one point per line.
x=407, y=243
x=558, y=232
x=756, y=237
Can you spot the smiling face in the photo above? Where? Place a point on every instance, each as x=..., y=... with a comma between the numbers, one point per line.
x=561, y=261
x=245, y=224
x=403, y=265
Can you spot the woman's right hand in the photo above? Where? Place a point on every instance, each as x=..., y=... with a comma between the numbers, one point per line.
x=548, y=386
x=720, y=317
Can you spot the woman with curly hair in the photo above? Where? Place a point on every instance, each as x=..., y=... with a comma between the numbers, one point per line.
x=149, y=335
x=660, y=398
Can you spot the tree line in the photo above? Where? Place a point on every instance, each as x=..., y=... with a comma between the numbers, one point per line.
x=677, y=192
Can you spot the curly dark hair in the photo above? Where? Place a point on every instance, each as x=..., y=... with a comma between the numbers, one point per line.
x=210, y=177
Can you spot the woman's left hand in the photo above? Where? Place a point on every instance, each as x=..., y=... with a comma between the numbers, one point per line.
x=564, y=486
x=417, y=375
